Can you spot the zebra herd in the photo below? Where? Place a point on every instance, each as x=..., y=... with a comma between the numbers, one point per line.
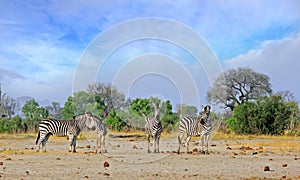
x=191, y=126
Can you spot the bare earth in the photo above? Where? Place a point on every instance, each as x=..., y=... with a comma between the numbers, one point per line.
x=128, y=159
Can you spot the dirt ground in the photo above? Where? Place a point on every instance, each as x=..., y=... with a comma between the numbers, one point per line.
x=128, y=159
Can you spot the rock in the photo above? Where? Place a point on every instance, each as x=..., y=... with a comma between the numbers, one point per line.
x=88, y=146
x=284, y=165
x=134, y=147
x=1, y=163
x=106, y=164
x=266, y=168
x=228, y=148
x=106, y=174
x=58, y=158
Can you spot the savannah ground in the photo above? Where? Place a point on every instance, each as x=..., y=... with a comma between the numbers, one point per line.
x=231, y=157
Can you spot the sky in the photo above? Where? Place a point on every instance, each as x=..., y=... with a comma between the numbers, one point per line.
x=170, y=49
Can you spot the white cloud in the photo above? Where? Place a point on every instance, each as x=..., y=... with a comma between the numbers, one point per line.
x=279, y=59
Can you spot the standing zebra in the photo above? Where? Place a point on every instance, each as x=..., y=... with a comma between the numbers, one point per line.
x=71, y=128
x=196, y=127
x=153, y=127
x=101, y=130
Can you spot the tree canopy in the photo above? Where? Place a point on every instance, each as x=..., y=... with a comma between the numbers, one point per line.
x=237, y=86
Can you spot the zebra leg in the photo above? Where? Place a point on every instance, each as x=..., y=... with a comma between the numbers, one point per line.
x=158, y=137
x=206, y=142
x=188, y=138
x=202, y=136
x=97, y=142
x=156, y=144
x=103, y=144
x=71, y=140
x=179, y=141
x=44, y=141
x=74, y=144
x=148, y=138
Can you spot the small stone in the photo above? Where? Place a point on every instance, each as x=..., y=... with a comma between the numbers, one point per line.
x=284, y=165
x=106, y=174
x=58, y=158
x=8, y=159
x=134, y=147
x=1, y=163
x=266, y=168
x=106, y=164
x=88, y=146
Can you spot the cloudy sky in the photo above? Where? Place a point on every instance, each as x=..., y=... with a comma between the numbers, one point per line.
x=46, y=45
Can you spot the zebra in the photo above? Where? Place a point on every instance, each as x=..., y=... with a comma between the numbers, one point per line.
x=196, y=127
x=71, y=128
x=101, y=131
x=153, y=127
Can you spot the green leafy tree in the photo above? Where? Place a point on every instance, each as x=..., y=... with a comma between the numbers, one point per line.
x=169, y=120
x=141, y=107
x=114, y=121
x=186, y=110
x=68, y=111
x=33, y=114
x=108, y=96
x=268, y=115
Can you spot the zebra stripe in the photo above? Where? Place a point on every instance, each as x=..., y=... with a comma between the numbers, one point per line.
x=153, y=128
x=196, y=127
x=101, y=131
x=56, y=127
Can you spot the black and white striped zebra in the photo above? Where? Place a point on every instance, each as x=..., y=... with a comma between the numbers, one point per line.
x=153, y=127
x=101, y=131
x=71, y=128
x=196, y=127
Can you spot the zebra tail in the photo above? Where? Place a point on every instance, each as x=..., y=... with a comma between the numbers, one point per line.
x=37, y=139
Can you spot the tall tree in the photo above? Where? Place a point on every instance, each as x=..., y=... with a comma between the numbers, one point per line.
x=8, y=105
x=237, y=86
x=33, y=114
x=109, y=96
x=185, y=110
x=68, y=110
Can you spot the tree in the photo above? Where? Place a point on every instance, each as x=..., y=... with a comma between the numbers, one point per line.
x=8, y=105
x=185, y=110
x=115, y=122
x=236, y=86
x=141, y=107
x=33, y=114
x=109, y=96
x=268, y=115
x=68, y=110
x=54, y=110
x=170, y=119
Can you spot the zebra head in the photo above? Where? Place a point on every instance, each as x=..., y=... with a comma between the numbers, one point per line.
x=207, y=110
x=91, y=120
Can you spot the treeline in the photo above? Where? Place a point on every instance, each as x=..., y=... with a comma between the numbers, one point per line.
x=252, y=107
x=102, y=100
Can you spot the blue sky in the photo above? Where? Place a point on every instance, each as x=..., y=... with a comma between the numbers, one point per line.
x=42, y=44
